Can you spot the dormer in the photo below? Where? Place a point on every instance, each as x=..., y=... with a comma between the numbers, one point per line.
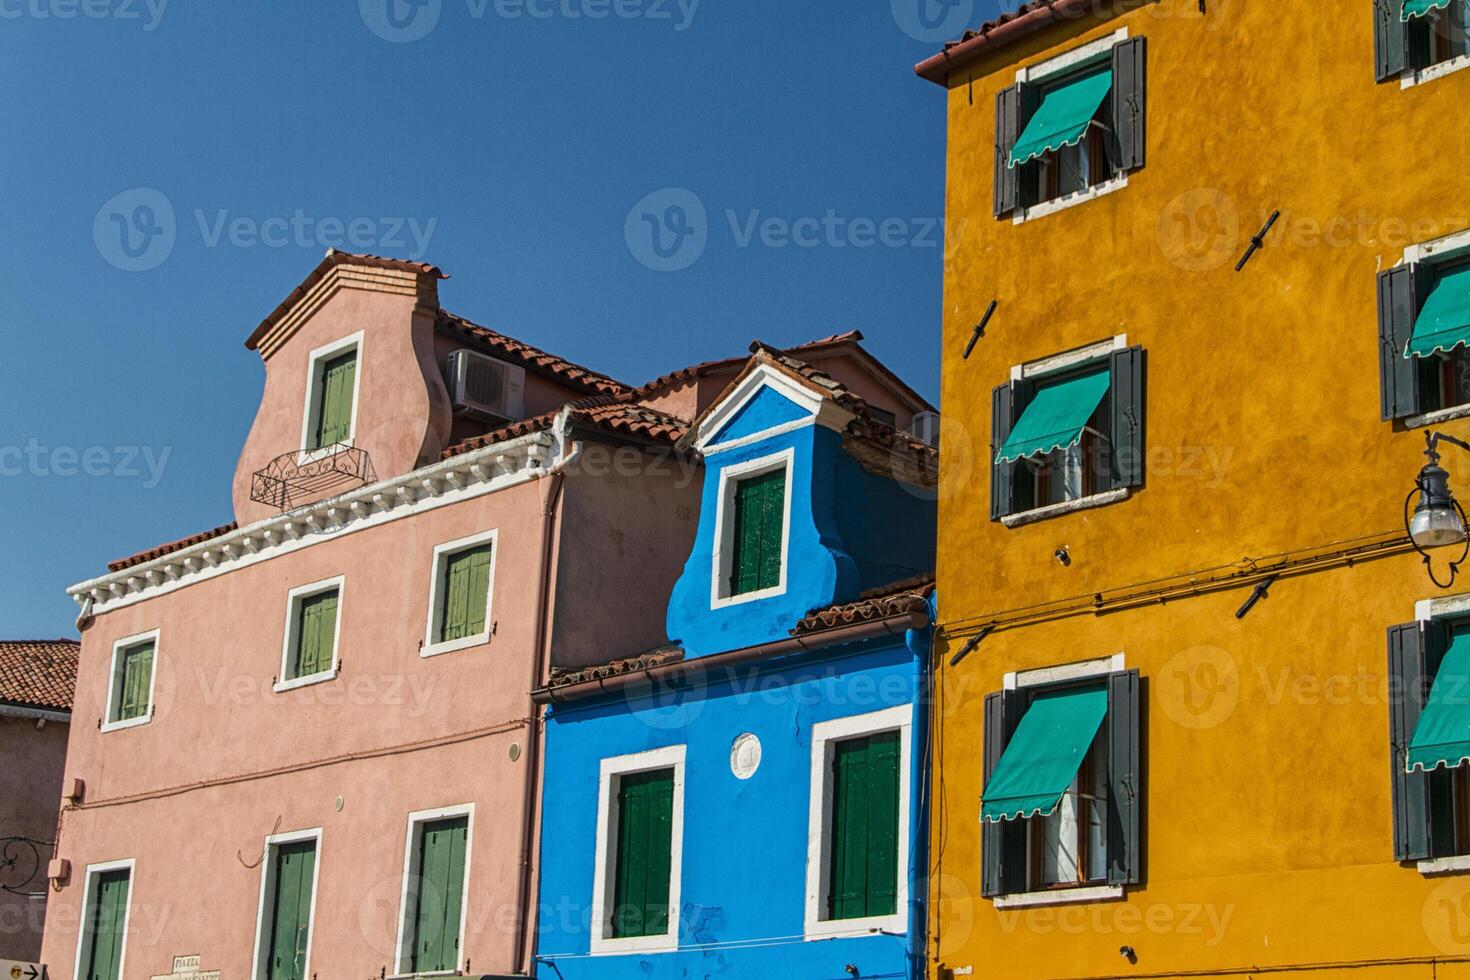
x=807, y=501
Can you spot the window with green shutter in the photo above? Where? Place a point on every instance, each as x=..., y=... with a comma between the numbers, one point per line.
x=440, y=896
x=107, y=916
x=290, y=912
x=335, y=386
x=316, y=635
x=864, y=830
x=133, y=682
x=759, y=523
x=465, y=595
x=644, y=854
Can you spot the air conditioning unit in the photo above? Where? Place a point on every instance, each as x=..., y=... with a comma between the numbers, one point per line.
x=925, y=428
x=483, y=386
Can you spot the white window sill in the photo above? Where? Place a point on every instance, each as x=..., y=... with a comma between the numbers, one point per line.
x=854, y=928
x=1068, y=507
x=282, y=686
x=1061, y=896
x=117, y=726
x=305, y=456
x=1435, y=418
x=1036, y=211
x=640, y=944
x=724, y=602
x=1445, y=865
x=418, y=976
x=454, y=646
x=1426, y=75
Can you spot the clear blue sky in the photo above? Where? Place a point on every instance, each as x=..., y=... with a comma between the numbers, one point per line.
x=519, y=138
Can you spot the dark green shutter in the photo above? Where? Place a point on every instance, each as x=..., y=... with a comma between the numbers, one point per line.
x=316, y=634
x=1007, y=131
x=1125, y=778
x=440, y=898
x=107, y=918
x=864, y=832
x=466, y=594
x=1003, y=414
x=295, y=866
x=135, y=682
x=335, y=391
x=644, y=854
x=1398, y=306
x=1389, y=39
x=1127, y=397
x=1414, y=653
x=1130, y=104
x=1002, y=845
x=760, y=521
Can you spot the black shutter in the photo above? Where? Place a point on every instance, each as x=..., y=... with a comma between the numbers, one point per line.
x=1414, y=654
x=1125, y=778
x=1007, y=131
x=1003, y=416
x=1128, y=430
x=1389, y=38
x=1130, y=103
x=1002, y=845
x=1398, y=306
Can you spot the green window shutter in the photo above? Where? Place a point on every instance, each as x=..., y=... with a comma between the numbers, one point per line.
x=334, y=408
x=864, y=829
x=644, y=854
x=466, y=594
x=1399, y=291
x=291, y=911
x=436, y=937
x=107, y=917
x=134, y=682
x=1127, y=393
x=1007, y=131
x=1390, y=41
x=316, y=634
x=1125, y=778
x=760, y=522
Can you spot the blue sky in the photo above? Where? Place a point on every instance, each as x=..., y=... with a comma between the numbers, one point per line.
x=784, y=151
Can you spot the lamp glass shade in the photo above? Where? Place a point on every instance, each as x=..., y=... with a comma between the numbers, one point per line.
x=1434, y=527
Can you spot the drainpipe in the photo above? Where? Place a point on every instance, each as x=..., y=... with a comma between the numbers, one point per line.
x=551, y=499
x=921, y=644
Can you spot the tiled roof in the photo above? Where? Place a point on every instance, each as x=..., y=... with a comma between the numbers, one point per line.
x=695, y=371
x=998, y=32
x=560, y=677
x=531, y=357
x=615, y=416
x=38, y=673
x=171, y=547
x=909, y=596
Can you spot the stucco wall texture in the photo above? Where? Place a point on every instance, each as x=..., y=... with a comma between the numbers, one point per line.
x=1268, y=828
x=32, y=755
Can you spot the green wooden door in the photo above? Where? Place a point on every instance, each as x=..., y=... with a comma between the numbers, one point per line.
x=864, y=831
x=644, y=854
x=107, y=917
x=335, y=391
x=291, y=911
x=466, y=594
x=316, y=634
x=135, y=682
x=760, y=519
x=440, y=895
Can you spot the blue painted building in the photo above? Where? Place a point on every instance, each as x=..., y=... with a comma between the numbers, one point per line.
x=749, y=801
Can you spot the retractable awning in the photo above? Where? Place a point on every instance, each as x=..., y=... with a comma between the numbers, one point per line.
x=1063, y=116
x=1043, y=757
x=1444, y=320
x=1056, y=416
x=1442, y=737
x=1420, y=8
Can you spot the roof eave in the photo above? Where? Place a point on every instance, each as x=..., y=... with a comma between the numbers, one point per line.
x=939, y=67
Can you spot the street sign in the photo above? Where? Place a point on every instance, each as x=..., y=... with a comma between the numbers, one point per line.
x=16, y=970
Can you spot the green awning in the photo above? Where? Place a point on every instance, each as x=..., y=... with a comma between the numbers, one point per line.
x=1442, y=737
x=1421, y=8
x=1063, y=116
x=1444, y=320
x=1042, y=759
x=1056, y=416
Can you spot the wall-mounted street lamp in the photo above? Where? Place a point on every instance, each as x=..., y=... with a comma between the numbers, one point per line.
x=1438, y=519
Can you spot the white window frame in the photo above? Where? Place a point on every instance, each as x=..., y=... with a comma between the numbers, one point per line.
x=1422, y=76
x=84, y=930
x=439, y=581
x=724, y=551
x=605, y=876
x=114, y=681
x=312, y=410
x=1045, y=677
x=267, y=884
x=825, y=736
x=294, y=599
x=408, y=900
x=1448, y=250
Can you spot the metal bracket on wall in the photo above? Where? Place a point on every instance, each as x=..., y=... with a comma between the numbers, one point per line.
x=1258, y=242
x=980, y=328
x=969, y=647
x=1261, y=591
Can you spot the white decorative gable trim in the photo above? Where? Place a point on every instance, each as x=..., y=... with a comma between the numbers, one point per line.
x=822, y=411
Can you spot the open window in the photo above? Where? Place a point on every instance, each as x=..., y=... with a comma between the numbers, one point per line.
x=1417, y=37
x=1424, y=336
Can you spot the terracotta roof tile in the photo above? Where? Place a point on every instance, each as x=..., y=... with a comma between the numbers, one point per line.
x=39, y=673
x=990, y=36
x=531, y=357
x=615, y=416
x=561, y=677
x=909, y=596
x=695, y=371
x=333, y=259
x=171, y=547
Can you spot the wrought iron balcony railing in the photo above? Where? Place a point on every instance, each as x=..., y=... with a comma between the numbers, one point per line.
x=302, y=476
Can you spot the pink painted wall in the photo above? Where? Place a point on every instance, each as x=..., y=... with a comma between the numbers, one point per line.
x=30, y=796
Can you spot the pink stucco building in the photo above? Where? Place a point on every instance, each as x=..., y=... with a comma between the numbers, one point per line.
x=305, y=743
